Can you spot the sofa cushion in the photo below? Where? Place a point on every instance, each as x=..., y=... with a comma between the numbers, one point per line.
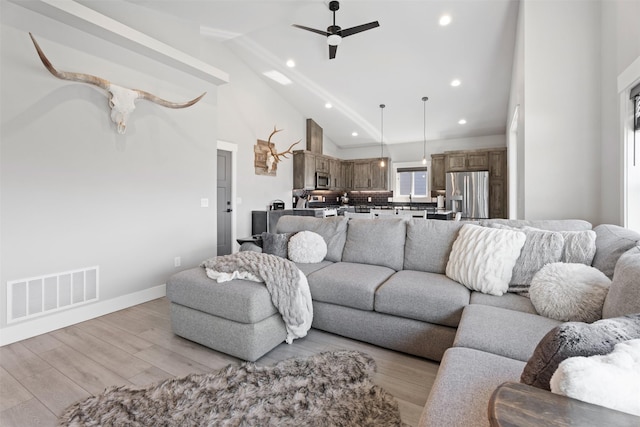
x=463, y=387
x=611, y=242
x=242, y=301
x=429, y=243
x=348, y=284
x=569, y=292
x=510, y=301
x=576, y=339
x=307, y=269
x=502, y=331
x=379, y=242
x=429, y=297
x=624, y=292
x=333, y=230
x=544, y=224
x=483, y=258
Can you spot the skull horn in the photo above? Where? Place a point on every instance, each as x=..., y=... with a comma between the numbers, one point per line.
x=64, y=75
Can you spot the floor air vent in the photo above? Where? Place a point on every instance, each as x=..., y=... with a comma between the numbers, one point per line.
x=37, y=296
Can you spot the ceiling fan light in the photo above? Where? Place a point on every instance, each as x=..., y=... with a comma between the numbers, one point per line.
x=334, y=40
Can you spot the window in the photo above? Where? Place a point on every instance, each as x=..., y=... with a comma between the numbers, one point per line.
x=412, y=181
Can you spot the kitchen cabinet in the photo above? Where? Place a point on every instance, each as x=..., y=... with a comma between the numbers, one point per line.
x=368, y=175
x=335, y=174
x=361, y=174
x=304, y=170
x=438, y=177
x=346, y=172
x=322, y=163
x=466, y=161
x=498, y=183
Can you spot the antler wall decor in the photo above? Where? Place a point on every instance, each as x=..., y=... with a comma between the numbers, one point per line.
x=121, y=99
x=267, y=157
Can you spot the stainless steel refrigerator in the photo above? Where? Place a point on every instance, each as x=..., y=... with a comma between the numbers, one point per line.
x=468, y=192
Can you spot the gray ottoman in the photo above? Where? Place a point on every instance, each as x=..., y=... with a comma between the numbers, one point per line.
x=234, y=317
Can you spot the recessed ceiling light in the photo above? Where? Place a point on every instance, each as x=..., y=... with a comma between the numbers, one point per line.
x=445, y=20
x=328, y=105
x=278, y=77
x=354, y=133
x=455, y=83
x=462, y=121
x=291, y=63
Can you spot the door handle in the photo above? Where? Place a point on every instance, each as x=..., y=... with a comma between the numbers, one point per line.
x=229, y=210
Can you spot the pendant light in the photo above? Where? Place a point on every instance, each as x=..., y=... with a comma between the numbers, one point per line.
x=381, y=134
x=424, y=131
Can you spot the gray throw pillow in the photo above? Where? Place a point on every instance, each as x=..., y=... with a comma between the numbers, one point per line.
x=541, y=247
x=579, y=246
x=276, y=244
x=577, y=339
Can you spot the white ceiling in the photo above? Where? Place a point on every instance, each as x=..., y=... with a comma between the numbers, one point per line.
x=409, y=56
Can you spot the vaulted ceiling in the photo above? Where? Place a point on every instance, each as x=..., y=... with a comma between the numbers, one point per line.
x=410, y=55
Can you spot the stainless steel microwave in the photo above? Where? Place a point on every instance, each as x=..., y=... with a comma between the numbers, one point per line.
x=322, y=180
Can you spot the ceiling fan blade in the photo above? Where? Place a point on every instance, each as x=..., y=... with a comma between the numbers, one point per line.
x=332, y=51
x=313, y=30
x=353, y=30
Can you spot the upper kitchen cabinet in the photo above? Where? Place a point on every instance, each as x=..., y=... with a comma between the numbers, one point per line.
x=322, y=164
x=304, y=170
x=335, y=174
x=498, y=163
x=346, y=172
x=466, y=161
x=437, y=172
x=368, y=175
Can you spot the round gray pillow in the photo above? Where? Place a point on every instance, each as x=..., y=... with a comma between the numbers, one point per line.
x=569, y=292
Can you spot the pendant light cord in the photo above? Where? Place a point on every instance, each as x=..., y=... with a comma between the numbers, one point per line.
x=381, y=133
x=424, y=130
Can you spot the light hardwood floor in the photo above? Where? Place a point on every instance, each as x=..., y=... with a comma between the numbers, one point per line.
x=41, y=376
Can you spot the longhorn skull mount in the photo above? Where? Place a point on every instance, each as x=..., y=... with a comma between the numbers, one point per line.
x=273, y=157
x=121, y=99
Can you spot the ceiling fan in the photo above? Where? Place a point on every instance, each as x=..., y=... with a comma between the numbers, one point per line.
x=334, y=33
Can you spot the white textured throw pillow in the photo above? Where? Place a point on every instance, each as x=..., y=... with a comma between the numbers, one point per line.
x=483, y=258
x=307, y=247
x=579, y=246
x=611, y=380
x=569, y=292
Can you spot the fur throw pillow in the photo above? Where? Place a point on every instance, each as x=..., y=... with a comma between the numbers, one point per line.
x=569, y=292
x=577, y=339
x=307, y=247
x=611, y=380
x=482, y=259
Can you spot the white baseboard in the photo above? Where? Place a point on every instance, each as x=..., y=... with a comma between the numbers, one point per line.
x=62, y=319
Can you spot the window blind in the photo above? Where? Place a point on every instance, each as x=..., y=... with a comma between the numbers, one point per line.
x=635, y=98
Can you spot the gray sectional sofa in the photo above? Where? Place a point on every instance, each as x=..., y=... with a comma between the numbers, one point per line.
x=383, y=282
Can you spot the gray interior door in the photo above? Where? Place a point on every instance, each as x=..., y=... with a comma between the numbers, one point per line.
x=224, y=202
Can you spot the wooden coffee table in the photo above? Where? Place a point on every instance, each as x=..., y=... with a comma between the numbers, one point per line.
x=519, y=405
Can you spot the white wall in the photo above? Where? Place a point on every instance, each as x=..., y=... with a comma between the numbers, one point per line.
x=410, y=152
x=620, y=48
x=562, y=112
x=73, y=192
x=248, y=110
x=564, y=80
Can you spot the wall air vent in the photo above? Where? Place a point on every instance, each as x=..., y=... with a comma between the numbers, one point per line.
x=37, y=296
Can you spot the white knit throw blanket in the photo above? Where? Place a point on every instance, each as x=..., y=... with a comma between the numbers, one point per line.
x=285, y=282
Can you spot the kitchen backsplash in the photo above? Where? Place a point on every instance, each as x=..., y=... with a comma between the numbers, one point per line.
x=322, y=198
